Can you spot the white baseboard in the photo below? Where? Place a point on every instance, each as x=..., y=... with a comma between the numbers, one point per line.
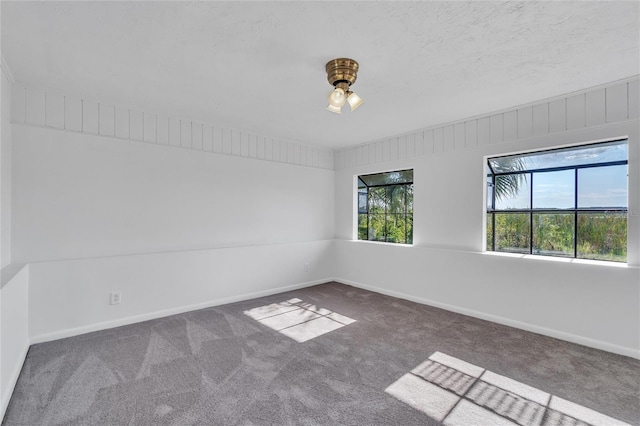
x=573, y=338
x=6, y=395
x=70, y=332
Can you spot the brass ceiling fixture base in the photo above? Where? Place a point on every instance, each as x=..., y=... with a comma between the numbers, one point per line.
x=342, y=73
x=342, y=70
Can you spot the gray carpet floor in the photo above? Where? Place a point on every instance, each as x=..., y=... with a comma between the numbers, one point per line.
x=242, y=364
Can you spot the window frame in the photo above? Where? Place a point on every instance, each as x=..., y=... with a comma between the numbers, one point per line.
x=406, y=213
x=575, y=211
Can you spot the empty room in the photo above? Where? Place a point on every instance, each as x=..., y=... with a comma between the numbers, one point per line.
x=320, y=213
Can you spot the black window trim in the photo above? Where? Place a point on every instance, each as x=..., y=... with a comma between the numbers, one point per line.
x=405, y=184
x=531, y=211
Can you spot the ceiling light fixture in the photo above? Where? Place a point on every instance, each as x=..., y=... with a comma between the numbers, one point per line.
x=342, y=73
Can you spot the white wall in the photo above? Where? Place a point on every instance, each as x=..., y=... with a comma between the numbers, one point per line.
x=5, y=171
x=175, y=215
x=14, y=285
x=14, y=333
x=72, y=297
x=208, y=228
x=593, y=303
x=78, y=196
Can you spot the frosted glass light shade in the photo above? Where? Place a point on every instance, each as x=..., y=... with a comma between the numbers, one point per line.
x=337, y=98
x=335, y=109
x=354, y=101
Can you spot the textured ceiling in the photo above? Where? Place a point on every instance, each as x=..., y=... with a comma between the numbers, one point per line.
x=259, y=66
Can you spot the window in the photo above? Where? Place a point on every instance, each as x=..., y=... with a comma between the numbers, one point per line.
x=569, y=202
x=385, y=207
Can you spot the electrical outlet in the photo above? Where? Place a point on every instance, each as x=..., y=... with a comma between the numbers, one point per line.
x=115, y=297
x=306, y=267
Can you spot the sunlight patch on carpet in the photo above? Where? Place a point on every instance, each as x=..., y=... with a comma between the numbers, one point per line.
x=298, y=320
x=456, y=392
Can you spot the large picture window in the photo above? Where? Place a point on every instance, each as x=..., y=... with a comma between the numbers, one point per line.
x=569, y=202
x=385, y=207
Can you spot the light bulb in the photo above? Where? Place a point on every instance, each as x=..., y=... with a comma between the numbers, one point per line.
x=354, y=100
x=337, y=98
x=335, y=109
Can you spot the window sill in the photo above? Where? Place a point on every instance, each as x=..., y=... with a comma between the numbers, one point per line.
x=530, y=257
x=383, y=243
x=560, y=259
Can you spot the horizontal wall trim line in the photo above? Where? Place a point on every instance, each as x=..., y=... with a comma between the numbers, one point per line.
x=61, y=334
x=187, y=250
x=573, y=338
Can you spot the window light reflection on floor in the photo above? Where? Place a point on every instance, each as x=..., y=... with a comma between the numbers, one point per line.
x=298, y=320
x=455, y=392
